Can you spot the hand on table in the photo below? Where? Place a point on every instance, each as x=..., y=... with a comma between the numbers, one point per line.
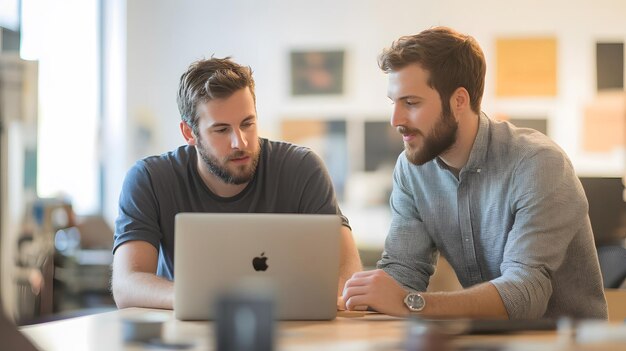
x=375, y=289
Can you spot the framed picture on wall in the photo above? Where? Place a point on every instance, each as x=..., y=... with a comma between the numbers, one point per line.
x=317, y=72
x=526, y=67
x=610, y=66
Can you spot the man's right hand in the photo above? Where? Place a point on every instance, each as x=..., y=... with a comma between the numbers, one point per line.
x=377, y=290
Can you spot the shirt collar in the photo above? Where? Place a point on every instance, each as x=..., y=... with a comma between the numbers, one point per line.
x=478, y=155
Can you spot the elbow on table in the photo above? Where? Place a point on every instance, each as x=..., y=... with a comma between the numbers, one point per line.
x=120, y=295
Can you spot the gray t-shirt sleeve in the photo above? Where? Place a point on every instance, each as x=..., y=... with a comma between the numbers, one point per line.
x=138, y=209
x=410, y=253
x=318, y=194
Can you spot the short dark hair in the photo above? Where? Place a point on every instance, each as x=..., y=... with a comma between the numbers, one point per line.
x=453, y=59
x=209, y=79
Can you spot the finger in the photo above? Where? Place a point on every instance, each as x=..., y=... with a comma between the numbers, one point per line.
x=354, y=291
x=351, y=293
x=357, y=303
x=357, y=282
x=341, y=305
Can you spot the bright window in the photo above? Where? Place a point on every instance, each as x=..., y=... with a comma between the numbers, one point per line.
x=63, y=36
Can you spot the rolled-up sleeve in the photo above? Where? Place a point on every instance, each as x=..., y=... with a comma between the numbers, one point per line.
x=548, y=212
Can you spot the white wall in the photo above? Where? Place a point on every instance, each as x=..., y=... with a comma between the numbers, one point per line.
x=165, y=36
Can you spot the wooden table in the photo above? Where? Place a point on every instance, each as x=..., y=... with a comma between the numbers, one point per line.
x=349, y=331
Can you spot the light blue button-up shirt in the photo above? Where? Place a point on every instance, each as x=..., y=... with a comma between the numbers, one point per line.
x=516, y=216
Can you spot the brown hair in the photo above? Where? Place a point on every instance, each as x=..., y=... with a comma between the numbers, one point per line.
x=206, y=80
x=453, y=59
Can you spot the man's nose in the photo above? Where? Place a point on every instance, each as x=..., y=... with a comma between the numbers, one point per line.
x=398, y=117
x=238, y=139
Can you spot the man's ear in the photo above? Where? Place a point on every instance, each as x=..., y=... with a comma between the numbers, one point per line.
x=460, y=100
x=187, y=133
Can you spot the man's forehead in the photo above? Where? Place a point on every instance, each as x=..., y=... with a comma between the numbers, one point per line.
x=411, y=80
x=233, y=110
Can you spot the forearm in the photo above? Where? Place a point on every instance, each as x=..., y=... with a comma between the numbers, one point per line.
x=480, y=301
x=347, y=268
x=141, y=289
x=349, y=260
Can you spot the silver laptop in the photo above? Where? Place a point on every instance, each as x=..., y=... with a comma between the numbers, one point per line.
x=297, y=255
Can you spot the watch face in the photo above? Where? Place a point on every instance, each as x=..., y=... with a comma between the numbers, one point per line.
x=415, y=302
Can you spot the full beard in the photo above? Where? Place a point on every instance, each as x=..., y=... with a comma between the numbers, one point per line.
x=438, y=141
x=242, y=175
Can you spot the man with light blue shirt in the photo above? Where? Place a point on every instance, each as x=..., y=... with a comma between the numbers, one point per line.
x=502, y=204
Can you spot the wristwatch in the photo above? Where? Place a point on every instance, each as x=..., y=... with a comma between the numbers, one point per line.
x=415, y=302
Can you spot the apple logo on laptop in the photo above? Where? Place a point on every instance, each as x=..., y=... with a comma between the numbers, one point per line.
x=260, y=263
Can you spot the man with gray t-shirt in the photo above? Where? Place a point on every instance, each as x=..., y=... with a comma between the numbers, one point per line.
x=225, y=167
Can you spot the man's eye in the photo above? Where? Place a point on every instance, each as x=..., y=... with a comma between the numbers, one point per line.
x=411, y=103
x=221, y=130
